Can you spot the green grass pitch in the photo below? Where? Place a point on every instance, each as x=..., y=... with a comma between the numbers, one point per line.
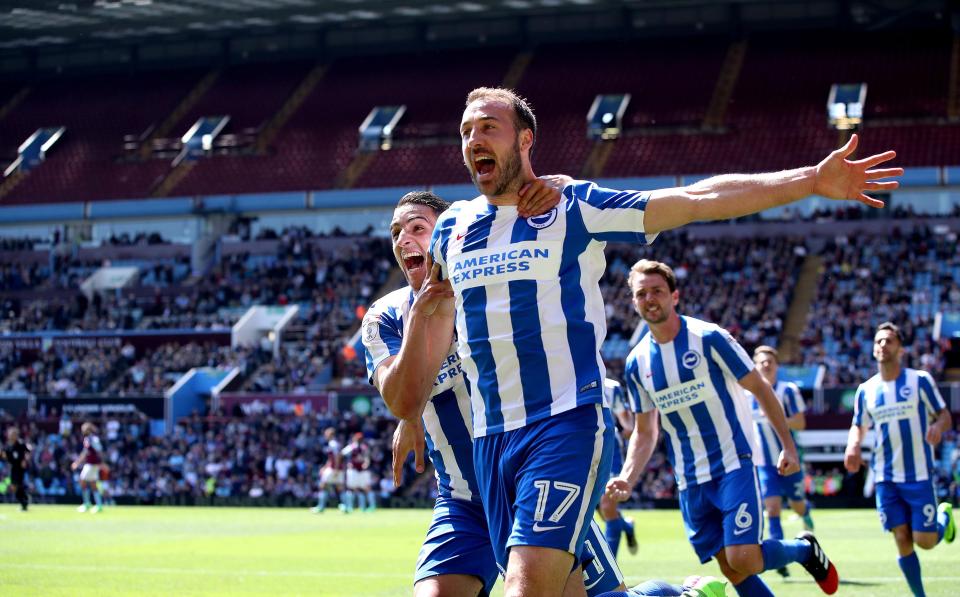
x=54, y=550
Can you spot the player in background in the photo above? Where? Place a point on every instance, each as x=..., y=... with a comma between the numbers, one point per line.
x=909, y=416
x=691, y=372
x=17, y=454
x=774, y=486
x=610, y=509
x=356, y=456
x=522, y=288
x=331, y=470
x=89, y=461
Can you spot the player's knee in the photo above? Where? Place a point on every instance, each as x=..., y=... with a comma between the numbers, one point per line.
x=745, y=563
x=732, y=575
x=448, y=585
x=925, y=540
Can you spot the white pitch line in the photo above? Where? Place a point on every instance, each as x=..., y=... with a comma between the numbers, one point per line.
x=205, y=571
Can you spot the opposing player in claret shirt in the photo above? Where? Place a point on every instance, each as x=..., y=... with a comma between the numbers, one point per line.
x=331, y=471
x=356, y=457
x=524, y=293
x=909, y=416
x=89, y=462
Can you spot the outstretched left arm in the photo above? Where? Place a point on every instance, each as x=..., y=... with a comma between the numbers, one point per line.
x=734, y=195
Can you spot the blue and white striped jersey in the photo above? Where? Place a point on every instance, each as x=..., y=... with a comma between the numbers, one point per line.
x=900, y=411
x=613, y=396
x=616, y=400
x=768, y=444
x=704, y=413
x=530, y=317
x=446, y=416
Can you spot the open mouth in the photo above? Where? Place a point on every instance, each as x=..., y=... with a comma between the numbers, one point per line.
x=484, y=165
x=412, y=261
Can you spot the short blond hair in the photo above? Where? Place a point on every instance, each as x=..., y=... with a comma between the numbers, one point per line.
x=764, y=349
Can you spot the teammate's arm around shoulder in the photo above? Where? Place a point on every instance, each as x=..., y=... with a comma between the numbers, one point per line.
x=734, y=195
x=789, y=461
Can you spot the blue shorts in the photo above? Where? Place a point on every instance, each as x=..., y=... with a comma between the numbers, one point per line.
x=616, y=462
x=723, y=512
x=773, y=484
x=539, y=484
x=457, y=543
x=900, y=503
x=600, y=571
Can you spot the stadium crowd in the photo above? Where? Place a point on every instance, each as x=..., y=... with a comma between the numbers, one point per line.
x=272, y=455
x=743, y=285
x=865, y=282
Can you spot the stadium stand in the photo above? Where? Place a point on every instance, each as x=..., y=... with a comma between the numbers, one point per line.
x=902, y=277
x=85, y=164
x=746, y=287
x=204, y=460
x=775, y=117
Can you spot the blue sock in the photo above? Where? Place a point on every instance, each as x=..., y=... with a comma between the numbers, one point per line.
x=776, y=529
x=777, y=554
x=911, y=570
x=86, y=497
x=753, y=586
x=612, y=534
x=361, y=500
x=371, y=500
x=98, y=497
x=942, y=521
x=322, y=500
x=654, y=588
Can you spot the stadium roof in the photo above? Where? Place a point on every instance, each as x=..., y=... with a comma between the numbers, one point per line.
x=25, y=23
x=56, y=25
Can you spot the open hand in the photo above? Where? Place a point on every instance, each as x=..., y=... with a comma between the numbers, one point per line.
x=840, y=178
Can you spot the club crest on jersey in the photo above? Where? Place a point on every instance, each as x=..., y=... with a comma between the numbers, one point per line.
x=370, y=330
x=691, y=359
x=543, y=221
x=905, y=392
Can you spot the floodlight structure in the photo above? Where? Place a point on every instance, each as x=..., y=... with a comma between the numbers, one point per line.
x=198, y=141
x=605, y=118
x=376, y=132
x=845, y=105
x=33, y=151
